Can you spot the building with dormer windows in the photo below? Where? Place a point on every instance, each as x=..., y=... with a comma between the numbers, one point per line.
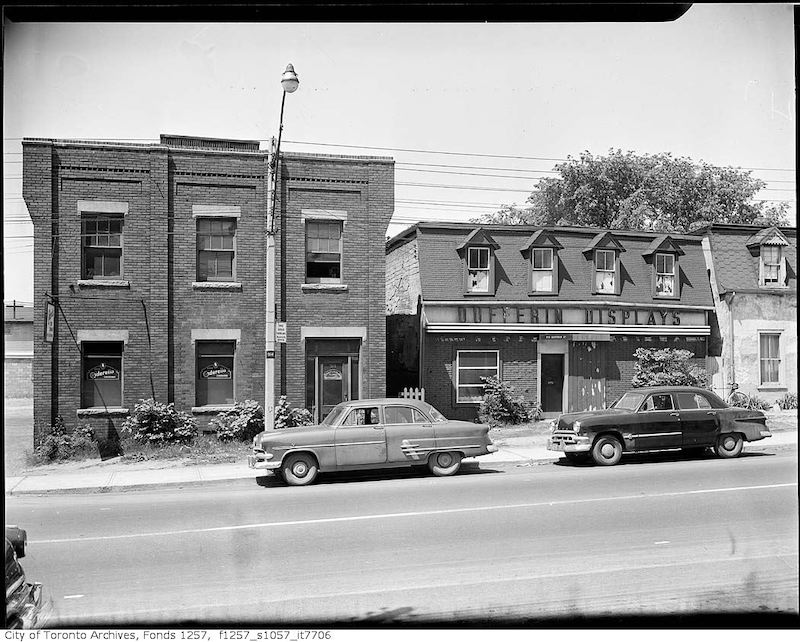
x=754, y=282
x=557, y=312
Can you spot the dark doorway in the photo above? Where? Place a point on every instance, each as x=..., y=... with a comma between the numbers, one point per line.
x=552, y=375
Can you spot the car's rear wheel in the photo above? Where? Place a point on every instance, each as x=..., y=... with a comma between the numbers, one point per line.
x=299, y=470
x=729, y=445
x=577, y=458
x=607, y=450
x=444, y=464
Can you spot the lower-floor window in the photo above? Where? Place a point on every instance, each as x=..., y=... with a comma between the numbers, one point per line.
x=214, y=377
x=101, y=383
x=770, y=349
x=471, y=366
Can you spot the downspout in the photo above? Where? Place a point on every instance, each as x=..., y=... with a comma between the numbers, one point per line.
x=730, y=296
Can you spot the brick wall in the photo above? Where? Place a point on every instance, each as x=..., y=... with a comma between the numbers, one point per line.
x=403, y=287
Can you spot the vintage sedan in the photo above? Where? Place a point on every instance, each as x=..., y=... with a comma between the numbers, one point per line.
x=371, y=433
x=657, y=418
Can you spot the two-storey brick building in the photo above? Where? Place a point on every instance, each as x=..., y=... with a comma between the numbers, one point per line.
x=154, y=255
x=556, y=312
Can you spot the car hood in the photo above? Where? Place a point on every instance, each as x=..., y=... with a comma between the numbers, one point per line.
x=286, y=432
x=570, y=418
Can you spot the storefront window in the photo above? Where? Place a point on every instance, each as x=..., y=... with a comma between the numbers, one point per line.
x=102, y=374
x=214, y=377
x=471, y=365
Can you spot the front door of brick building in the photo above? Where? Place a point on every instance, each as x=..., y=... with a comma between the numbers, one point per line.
x=332, y=374
x=333, y=383
x=552, y=375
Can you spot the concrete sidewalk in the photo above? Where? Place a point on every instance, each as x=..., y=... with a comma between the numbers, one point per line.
x=113, y=474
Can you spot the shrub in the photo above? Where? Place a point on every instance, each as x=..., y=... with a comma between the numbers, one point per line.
x=666, y=367
x=501, y=405
x=61, y=444
x=159, y=423
x=288, y=417
x=242, y=422
x=751, y=403
x=788, y=401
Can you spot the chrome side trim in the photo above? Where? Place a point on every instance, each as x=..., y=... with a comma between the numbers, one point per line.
x=657, y=434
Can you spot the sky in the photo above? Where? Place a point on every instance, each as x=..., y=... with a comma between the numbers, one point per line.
x=473, y=114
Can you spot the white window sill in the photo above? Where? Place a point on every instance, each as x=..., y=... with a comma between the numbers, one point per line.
x=103, y=412
x=103, y=283
x=772, y=387
x=324, y=287
x=216, y=285
x=210, y=410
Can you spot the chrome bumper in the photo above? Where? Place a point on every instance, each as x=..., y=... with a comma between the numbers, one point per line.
x=569, y=443
x=261, y=460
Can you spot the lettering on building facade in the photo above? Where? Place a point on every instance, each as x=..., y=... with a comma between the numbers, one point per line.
x=530, y=314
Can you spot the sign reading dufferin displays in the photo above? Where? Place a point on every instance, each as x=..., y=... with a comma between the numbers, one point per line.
x=537, y=315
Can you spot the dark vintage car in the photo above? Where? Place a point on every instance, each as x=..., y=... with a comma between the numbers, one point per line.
x=25, y=602
x=371, y=433
x=657, y=418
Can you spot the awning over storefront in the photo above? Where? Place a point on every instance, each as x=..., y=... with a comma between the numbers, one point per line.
x=521, y=328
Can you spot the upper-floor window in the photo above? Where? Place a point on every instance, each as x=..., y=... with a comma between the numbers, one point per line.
x=323, y=251
x=478, y=269
x=101, y=236
x=665, y=275
x=605, y=271
x=772, y=266
x=542, y=270
x=216, y=249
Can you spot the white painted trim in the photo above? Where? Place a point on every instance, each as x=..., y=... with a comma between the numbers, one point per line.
x=205, y=334
x=336, y=215
x=216, y=211
x=103, y=207
x=528, y=328
x=333, y=332
x=323, y=287
x=103, y=335
x=103, y=283
x=216, y=285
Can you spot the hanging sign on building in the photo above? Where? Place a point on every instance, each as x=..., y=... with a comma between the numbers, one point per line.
x=280, y=332
x=215, y=371
x=49, y=322
x=332, y=373
x=103, y=372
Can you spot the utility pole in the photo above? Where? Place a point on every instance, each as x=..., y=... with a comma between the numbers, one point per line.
x=289, y=82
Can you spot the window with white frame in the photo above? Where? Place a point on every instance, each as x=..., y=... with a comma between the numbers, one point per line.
x=216, y=249
x=771, y=265
x=542, y=273
x=471, y=366
x=101, y=240
x=770, y=357
x=478, y=269
x=323, y=251
x=605, y=264
x=665, y=275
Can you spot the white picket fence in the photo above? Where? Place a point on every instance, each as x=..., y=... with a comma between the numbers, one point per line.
x=413, y=393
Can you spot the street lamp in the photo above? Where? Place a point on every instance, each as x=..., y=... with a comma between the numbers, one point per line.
x=289, y=82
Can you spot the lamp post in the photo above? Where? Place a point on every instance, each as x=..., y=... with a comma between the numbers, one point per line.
x=289, y=83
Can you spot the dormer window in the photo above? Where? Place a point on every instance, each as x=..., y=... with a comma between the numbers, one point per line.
x=477, y=253
x=772, y=266
x=665, y=275
x=479, y=270
x=541, y=250
x=605, y=271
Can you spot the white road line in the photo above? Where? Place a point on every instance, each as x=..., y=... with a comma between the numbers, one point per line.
x=263, y=601
x=73, y=597
x=666, y=541
x=446, y=511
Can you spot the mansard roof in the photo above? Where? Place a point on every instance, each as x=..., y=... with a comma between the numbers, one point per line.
x=478, y=236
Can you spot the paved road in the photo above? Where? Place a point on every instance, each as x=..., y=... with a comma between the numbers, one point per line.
x=658, y=535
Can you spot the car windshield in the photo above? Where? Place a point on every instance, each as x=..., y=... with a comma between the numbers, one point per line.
x=437, y=416
x=334, y=416
x=629, y=401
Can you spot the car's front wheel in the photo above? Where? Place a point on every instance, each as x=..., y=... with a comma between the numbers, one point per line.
x=729, y=445
x=607, y=450
x=444, y=464
x=300, y=469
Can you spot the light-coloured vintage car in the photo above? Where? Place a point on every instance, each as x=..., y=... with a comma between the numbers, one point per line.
x=371, y=433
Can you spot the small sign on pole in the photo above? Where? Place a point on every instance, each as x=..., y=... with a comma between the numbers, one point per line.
x=280, y=332
x=49, y=322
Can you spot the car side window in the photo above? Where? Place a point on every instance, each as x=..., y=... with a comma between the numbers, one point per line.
x=658, y=402
x=362, y=417
x=399, y=414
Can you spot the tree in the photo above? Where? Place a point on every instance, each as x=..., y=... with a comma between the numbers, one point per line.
x=643, y=192
x=665, y=367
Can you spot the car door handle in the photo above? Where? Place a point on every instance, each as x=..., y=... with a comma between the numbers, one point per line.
x=711, y=412
x=674, y=414
x=377, y=427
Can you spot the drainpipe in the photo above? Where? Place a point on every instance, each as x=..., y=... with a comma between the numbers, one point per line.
x=730, y=296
